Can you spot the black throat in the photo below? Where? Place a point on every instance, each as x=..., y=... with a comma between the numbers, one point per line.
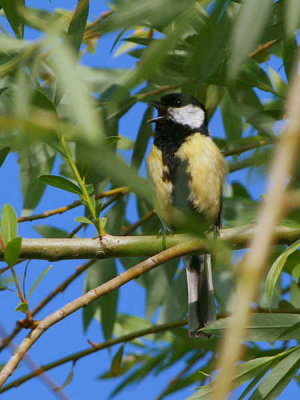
x=169, y=136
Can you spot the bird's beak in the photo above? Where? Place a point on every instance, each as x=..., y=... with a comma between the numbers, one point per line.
x=162, y=111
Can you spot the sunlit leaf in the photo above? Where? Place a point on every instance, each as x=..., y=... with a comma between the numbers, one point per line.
x=263, y=327
x=244, y=37
x=12, y=251
x=9, y=223
x=83, y=220
x=22, y=307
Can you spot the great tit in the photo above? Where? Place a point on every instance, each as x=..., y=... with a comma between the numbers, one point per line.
x=187, y=171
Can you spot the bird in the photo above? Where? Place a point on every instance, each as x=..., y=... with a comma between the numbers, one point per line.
x=187, y=172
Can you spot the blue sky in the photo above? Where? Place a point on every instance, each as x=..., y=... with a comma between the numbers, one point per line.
x=67, y=336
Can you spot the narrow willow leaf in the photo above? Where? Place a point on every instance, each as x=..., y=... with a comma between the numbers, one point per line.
x=83, y=220
x=22, y=307
x=253, y=13
x=3, y=154
x=12, y=251
x=292, y=15
x=80, y=104
x=246, y=371
x=68, y=379
x=10, y=45
x=99, y=273
x=9, y=223
x=276, y=269
x=35, y=160
x=232, y=119
x=263, y=327
x=279, y=377
x=49, y=231
x=61, y=183
x=38, y=280
x=10, y=8
x=77, y=24
x=115, y=367
x=142, y=139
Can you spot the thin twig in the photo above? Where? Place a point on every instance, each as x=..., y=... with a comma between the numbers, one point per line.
x=246, y=147
x=126, y=338
x=253, y=265
x=124, y=190
x=94, y=294
x=140, y=222
x=264, y=47
x=48, y=382
x=96, y=347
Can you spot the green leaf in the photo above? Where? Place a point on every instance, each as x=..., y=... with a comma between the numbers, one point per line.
x=141, y=142
x=173, y=307
x=38, y=280
x=122, y=142
x=276, y=269
x=9, y=223
x=292, y=15
x=83, y=220
x=12, y=251
x=76, y=92
x=296, y=271
x=10, y=8
x=263, y=327
x=3, y=153
x=106, y=307
x=22, y=307
x=61, y=183
x=115, y=367
x=232, y=119
x=35, y=160
x=246, y=371
x=279, y=377
x=77, y=24
x=244, y=37
x=49, y=231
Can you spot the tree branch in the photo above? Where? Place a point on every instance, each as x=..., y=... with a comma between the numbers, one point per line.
x=133, y=246
x=60, y=210
x=130, y=274
x=96, y=347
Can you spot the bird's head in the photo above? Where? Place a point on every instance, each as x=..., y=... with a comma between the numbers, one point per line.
x=181, y=109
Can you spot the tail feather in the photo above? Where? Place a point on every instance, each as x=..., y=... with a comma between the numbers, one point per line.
x=201, y=307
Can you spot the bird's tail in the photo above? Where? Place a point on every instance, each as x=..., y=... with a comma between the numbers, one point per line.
x=201, y=307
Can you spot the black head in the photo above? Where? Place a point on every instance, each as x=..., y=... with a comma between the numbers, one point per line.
x=181, y=109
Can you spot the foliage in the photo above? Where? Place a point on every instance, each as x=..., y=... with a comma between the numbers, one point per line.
x=56, y=109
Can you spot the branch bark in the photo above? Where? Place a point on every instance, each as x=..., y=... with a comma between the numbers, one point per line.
x=130, y=274
x=132, y=246
x=96, y=347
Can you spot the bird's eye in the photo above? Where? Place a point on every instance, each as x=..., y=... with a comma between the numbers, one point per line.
x=178, y=103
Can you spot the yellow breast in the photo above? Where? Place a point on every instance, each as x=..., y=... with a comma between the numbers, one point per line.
x=205, y=168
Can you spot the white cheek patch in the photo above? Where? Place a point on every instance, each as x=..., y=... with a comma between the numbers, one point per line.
x=189, y=115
